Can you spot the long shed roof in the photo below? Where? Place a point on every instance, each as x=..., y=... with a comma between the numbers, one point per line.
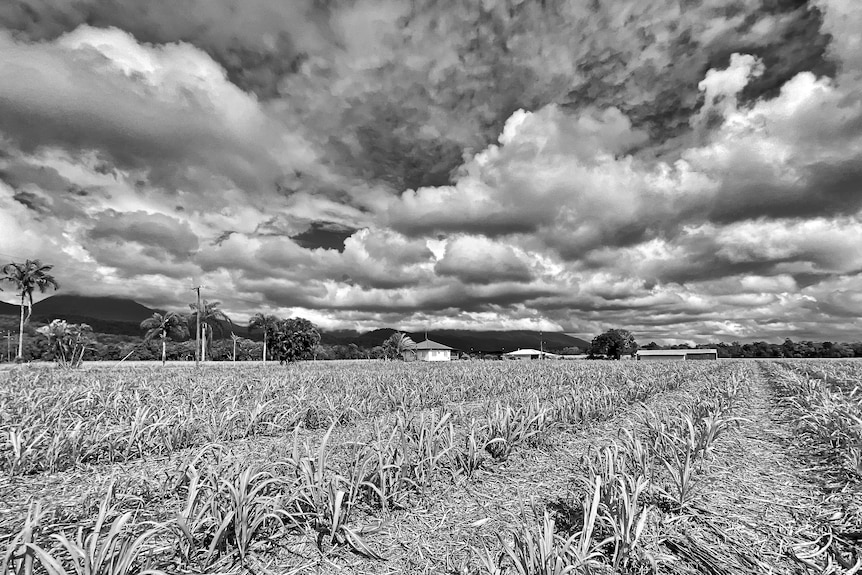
x=528, y=351
x=675, y=351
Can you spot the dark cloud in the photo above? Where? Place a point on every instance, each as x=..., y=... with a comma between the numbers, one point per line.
x=443, y=79
x=798, y=45
x=822, y=189
x=683, y=169
x=149, y=230
x=33, y=202
x=45, y=178
x=327, y=235
x=257, y=41
x=452, y=298
x=152, y=121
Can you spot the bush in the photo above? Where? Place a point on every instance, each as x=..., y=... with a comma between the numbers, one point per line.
x=67, y=342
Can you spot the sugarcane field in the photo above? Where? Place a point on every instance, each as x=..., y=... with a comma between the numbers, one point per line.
x=736, y=466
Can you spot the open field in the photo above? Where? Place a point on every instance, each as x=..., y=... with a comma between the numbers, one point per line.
x=469, y=467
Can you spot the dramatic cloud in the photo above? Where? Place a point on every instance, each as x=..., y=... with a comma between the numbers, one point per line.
x=166, y=112
x=691, y=171
x=481, y=261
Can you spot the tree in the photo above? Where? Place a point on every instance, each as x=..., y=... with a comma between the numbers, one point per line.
x=398, y=346
x=613, y=344
x=165, y=326
x=265, y=322
x=211, y=320
x=294, y=339
x=27, y=277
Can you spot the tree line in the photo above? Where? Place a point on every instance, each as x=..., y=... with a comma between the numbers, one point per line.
x=787, y=349
x=284, y=340
x=615, y=343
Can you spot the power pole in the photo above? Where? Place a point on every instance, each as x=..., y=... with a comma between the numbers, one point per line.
x=198, y=328
x=541, y=346
x=8, y=345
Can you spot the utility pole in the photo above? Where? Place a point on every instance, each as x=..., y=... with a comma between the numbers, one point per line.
x=541, y=346
x=198, y=328
x=8, y=345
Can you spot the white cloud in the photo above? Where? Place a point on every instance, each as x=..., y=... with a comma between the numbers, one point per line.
x=595, y=207
x=167, y=112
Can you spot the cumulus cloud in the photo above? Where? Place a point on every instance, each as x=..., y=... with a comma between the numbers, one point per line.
x=772, y=159
x=690, y=171
x=167, y=111
x=477, y=260
x=545, y=161
x=396, y=91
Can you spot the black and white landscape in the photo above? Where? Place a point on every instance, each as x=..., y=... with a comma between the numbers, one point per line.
x=463, y=287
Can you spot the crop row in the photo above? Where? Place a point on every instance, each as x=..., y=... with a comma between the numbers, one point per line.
x=51, y=421
x=827, y=409
x=838, y=375
x=229, y=510
x=623, y=488
x=825, y=401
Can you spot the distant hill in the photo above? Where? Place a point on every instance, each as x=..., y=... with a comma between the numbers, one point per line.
x=110, y=315
x=77, y=306
x=9, y=309
x=120, y=316
x=103, y=308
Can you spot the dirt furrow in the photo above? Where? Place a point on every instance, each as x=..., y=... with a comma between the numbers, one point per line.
x=759, y=502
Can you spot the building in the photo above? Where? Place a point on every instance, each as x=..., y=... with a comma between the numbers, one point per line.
x=676, y=354
x=432, y=351
x=530, y=354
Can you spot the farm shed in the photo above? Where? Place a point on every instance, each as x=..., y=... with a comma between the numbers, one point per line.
x=530, y=354
x=676, y=354
x=432, y=351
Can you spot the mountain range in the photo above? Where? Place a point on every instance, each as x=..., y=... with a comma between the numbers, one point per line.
x=123, y=316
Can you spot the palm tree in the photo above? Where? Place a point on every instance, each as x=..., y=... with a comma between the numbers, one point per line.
x=399, y=344
x=165, y=326
x=211, y=318
x=265, y=322
x=27, y=277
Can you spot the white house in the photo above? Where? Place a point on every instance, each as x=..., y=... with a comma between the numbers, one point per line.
x=530, y=354
x=432, y=351
x=676, y=354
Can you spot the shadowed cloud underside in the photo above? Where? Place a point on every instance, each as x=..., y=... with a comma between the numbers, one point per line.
x=688, y=171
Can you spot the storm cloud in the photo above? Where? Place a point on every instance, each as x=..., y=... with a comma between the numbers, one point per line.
x=688, y=170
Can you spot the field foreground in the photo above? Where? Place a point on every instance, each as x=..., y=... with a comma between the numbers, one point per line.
x=471, y=467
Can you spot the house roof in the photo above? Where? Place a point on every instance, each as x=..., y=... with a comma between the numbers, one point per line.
x=428, y=344
x=531, y=352
x=674, y=351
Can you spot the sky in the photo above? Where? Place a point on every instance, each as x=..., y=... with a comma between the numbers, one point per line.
x=690, y=170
